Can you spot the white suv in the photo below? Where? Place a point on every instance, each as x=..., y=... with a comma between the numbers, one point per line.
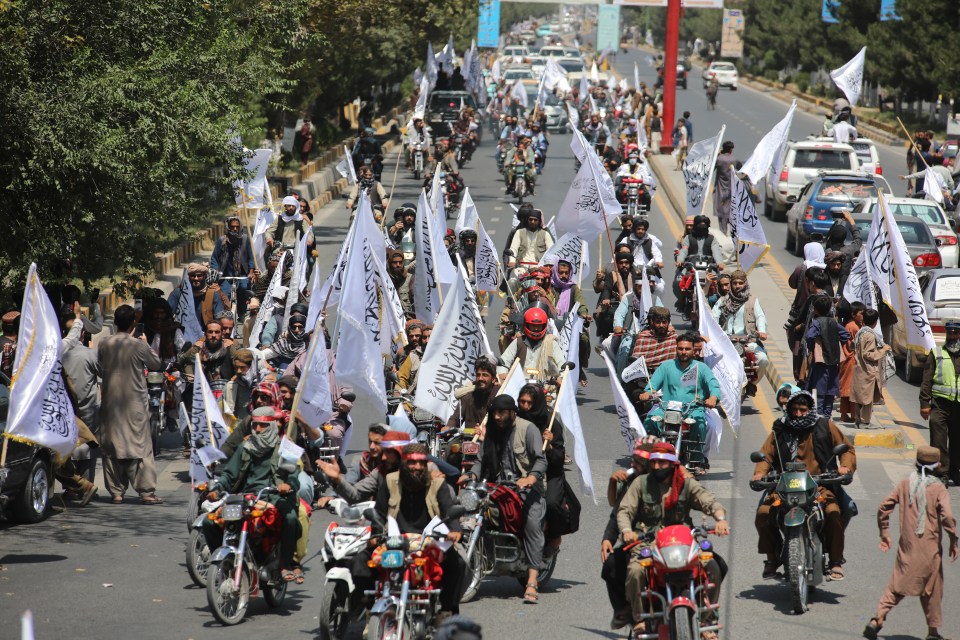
x=724, y=72
x=802, y=163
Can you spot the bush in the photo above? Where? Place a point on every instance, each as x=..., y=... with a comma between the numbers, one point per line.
x=802, y=80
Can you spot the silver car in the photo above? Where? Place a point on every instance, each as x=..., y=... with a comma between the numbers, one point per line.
x=940, y=225
x=802, y=163
x=941, y=298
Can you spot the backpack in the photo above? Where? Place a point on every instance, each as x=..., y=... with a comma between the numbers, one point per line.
x=509, y=518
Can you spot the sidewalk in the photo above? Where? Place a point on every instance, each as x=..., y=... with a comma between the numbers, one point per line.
x=769, y=283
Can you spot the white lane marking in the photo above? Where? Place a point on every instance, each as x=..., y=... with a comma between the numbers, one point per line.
x=495, y=219
x=498, y=208
x=492, y=232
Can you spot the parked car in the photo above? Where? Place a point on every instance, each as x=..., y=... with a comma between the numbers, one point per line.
x=803, y=161
x=939, y=223
x=29, y=484
x=821, y=202
x=444, y=109
x=724, y=72
x=940, y=289
x=921, y=245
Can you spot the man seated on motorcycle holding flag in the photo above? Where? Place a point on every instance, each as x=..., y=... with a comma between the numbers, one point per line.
x=535, y=348
x=699, y=242
x=740, y=315
x=686, y=380
x=523, y=155
x=257, y=464
x=802, y=435
x=660, y=499
x=512, y=450
x=636, y=169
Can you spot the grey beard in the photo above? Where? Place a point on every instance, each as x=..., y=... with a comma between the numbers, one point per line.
x=953, y=346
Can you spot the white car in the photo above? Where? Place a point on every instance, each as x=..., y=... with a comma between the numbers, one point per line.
x=869, y=158
x=557, y=51
x=724, y=72
x=802, y=163
x=931, y=213
x=512, y=74
x=537, y=65
x=514, y=51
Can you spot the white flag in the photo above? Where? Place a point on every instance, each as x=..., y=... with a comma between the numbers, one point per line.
x=573, y=327
x=184, y=311
x=554, y=76
x=360, y=360
x=329, y=293
x=584, y=90
x=636, y=371
x=265, y=218
x=468, y=217
x=417, y=75
x=40, y=412
x=299, y=266
x=420, y=110
x=636, y=76
x=574, y=117
x=631, y=427
x=345, y=167
x=431, y=70
x=573, y=249
x=457, y=340
x=594, y=74
x=516, y=381
x=745, y=228
x=486, y=262
x=623, y=85
x=566, y=330
x=849, y=77
x=316, y=401
x=907, y=299
x=495, y=71
x=698, y=171
x=879, y=255
x=425, y=277
x=721, y=357
x=591, y=196
x=267, y=305
x=207, y=425
x=519, y=93
x=859, y=285
x=249, y=192
x=570, y=416
x=933, y=186
x=762, y=160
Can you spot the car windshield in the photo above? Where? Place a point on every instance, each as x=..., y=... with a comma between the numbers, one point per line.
x=928, y=213
x=571, y=66
x=723, y=66
x=833, y=191
x=946, y=288
x=912, y=232
x=821, y=159
x=514, y=74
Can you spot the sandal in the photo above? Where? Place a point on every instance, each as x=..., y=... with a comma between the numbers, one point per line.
x=152, y=500
x=116, y=500
x=298, y=576
x=835, y=573
x=639, y=629
x=872, y=630
x=531, y=595
x=287, y=575
x=770, y=569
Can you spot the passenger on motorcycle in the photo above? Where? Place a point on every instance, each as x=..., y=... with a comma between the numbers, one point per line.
x=662, y=498
x=801, y=435
x=418, y=134
x=402, y=281
x=530, y=240
x=636, y=169
x=233, y=258
x=739, y=314
x=645, y=246
x=413, y=497
x=290, y=224
x=598, y=134
x=522, y=155
x=364, y=478
x=535, y=348
x=686, y=380
x=512, y=450
x=257, y=464
x=606, y=284
x=656, y=343
x=539, y=144
x=475, y=397
x=404, y=218
x=374, y=190
x=409, y=371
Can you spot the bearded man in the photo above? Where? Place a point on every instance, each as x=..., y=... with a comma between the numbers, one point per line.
x=233, y=258
x=402, y=282
x=740, y=315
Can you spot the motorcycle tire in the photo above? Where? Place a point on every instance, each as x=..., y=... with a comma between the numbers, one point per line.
x=193, y=508
x=333, y=615
x=682, y=624
x=274, y=594
x=228, y=605
x=155, y=430
x=198, y=558
x=796, y=572
x=416, y=174
x=385, y=626
x=474, y=574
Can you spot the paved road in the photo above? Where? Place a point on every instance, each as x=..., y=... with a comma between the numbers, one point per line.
x=118, y=570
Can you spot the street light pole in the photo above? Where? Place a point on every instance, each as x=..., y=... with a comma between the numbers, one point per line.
x=671, y=43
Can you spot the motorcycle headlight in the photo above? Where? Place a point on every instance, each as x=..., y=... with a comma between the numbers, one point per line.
x=675, y=556
x=469, y=500
x=232, y=512
x=391, y=559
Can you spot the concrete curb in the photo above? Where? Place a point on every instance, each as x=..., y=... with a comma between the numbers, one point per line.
x=885, y=438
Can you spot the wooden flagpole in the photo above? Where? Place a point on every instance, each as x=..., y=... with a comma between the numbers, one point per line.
x=553, y=414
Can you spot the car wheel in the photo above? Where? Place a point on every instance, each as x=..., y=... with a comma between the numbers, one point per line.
x=733, y=88
x=767, y=207
x=777, y=214
x=799, y=241
x=31, y=504
x=788, y=245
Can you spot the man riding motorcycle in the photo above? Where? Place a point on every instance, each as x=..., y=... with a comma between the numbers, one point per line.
x=802, y=435
x=645, y=246
x=530, y=240
x=535, y=348
x=367, y=152
x=636, y=169
x=659, y=499
x=699, y=242
x=374, y=190
x=607, y=284
x=598, y=134
x=418, y=134
x=404, y=218
x=686, y=380
x=523, y=155
x=740, y=315
x=539, y=144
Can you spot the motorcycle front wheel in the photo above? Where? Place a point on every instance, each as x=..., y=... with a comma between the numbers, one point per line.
x=228, y=602
x=682, y=622
x=474, y=574
x=198, y=558
x=274, y=595
x=333, y=614
x=796, y=571
x=156, y=428
x=385, y=626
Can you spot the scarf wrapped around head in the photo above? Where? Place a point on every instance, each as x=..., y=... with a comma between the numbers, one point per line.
x=264, y=442
x=290, y=200
x=666, y=451
x=796, y=428
x=539, y=413
x=565, y=288
x=269, y=389
x=813, y=255
x=928, y=460
x=735, y=300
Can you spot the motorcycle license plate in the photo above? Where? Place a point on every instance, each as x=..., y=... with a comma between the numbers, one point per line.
x=672, y=417
x=391, y=559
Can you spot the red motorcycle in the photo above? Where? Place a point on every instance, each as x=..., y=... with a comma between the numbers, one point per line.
x=692, y=274
x=676, y=599
x=634, y=197
x=748, y=358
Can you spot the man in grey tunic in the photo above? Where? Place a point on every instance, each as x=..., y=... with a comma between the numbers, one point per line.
x=722, y=185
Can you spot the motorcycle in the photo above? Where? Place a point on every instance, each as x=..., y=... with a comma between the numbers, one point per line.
x=159, y=384
x=197, y=552
x=417, y=159
x=341, y=544
x=800, y=518
x=634, y=191
x=407, y=587
x=748, y=359
x=491, y=551
x=677, y=596
x=672, y=421
x=248, y=559
x=694, y=273
x=520, y=187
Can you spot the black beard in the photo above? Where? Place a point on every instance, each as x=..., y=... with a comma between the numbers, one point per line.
x=414, y=481
x=213, y=346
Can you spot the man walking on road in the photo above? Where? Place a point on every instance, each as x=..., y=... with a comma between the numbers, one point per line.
x=722, y=185
x=124, y=418
x=940, y=401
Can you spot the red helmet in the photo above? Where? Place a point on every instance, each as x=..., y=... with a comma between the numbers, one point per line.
x=535, y=323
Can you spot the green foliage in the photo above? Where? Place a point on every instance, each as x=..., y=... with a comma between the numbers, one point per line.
x=513, y=12
x=115, y=118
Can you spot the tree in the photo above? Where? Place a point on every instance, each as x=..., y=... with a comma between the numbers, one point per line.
x=115, y=120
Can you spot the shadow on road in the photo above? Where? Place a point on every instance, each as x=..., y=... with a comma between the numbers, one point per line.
x=30, y=558
x=778, y=595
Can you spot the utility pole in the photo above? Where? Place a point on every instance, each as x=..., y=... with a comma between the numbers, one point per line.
x=671, y=42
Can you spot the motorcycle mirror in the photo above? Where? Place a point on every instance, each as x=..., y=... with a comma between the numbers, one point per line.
x=841, y=449
x=569, y=365
x=757, y=456
x=371, y=515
